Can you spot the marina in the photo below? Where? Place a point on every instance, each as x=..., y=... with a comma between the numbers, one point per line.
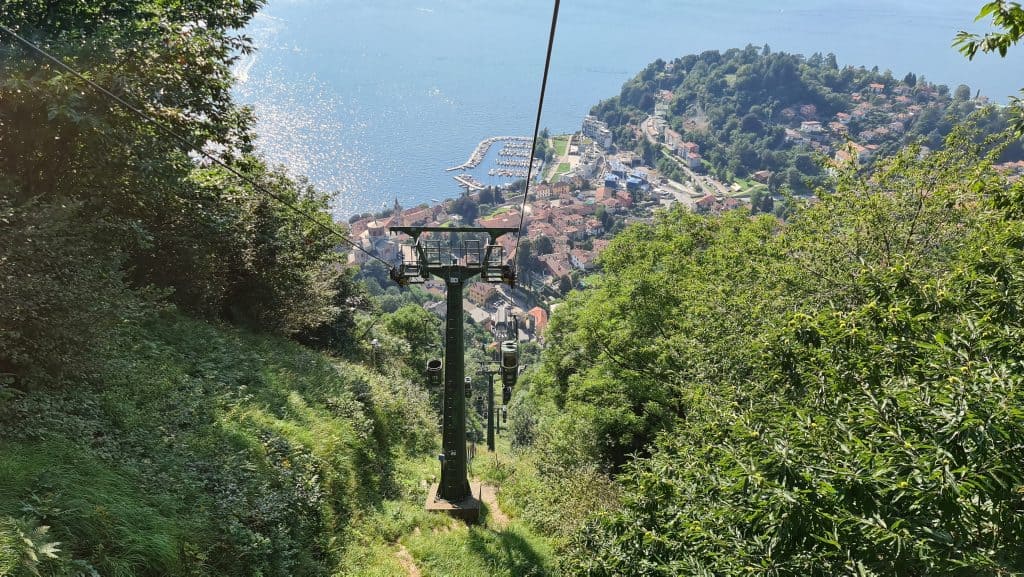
x=488, y=166
x=513, y=163
x=485, y=145
x=514, y=149
x=508, y=172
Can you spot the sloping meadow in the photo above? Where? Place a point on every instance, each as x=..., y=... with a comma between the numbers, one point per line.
x=205, y=451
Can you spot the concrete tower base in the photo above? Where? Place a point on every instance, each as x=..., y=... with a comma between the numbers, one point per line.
x=467, y=510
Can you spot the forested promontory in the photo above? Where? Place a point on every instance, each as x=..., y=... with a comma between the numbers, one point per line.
x=754, y=110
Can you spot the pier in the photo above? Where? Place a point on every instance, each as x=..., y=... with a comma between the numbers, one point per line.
x=469, y=182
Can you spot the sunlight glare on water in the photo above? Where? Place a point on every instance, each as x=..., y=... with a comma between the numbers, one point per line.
x=374, y=100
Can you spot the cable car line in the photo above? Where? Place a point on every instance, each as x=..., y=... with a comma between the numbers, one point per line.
x=536, y=132
x=150, y=119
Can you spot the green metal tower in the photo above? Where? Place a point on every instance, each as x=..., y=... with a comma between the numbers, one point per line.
x=489, y=369
x=455, y=263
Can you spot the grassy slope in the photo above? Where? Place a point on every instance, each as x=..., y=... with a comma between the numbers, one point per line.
x=441, y=547
x=206, y=451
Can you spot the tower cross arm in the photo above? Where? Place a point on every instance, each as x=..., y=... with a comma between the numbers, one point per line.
x=416, y=231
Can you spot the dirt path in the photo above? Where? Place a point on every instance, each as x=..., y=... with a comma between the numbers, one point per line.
x=407, y=562
x=489, y=495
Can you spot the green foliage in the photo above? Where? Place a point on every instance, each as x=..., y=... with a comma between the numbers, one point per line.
x=101, y=207
x=32, y=545
x=839, y=395
x=62, y=293
x=738, y=104
x=476, y=552
x=205, y=452
x=622, y=354
x=467, y=208
x=1008, y=19
x=420, y=330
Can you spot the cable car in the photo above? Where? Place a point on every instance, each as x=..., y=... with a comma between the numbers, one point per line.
x=434, y=372
x=509, y=362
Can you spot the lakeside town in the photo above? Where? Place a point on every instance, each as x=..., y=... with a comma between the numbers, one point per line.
x=589, y=190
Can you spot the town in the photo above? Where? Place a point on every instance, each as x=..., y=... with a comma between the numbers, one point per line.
x=591, y=192
x=591, y=188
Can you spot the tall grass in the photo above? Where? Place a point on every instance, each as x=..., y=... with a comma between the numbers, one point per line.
x=203, y=450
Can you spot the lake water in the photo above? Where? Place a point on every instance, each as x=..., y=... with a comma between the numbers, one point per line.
x=373, y=100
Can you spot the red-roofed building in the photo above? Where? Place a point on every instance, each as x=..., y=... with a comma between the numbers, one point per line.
x=539, y=229
x=688, y=149
x=481, y=293
x=809, y=126
x=504, y=220
x=706, y=204
x=625, y=199
x=582, y=259
x=582, y=209
x=612, y=204
x=417, y=216
x=673, y=139
x=538, y=320
x=556, y=264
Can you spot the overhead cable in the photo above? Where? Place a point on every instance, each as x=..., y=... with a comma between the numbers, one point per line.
x=536, y=132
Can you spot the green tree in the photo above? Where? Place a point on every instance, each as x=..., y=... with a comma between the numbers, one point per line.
x=420, y=330
x=545, y=245
x=806, y=406
x=467, y=208
x=1008, y=19
x=140, y=211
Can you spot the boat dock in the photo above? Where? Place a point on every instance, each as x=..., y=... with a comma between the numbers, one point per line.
x=485, y=145
x=469, y=182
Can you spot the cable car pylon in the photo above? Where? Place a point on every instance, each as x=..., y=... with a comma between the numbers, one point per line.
x=454, y=263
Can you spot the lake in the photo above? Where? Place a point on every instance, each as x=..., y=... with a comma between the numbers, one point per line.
x=373, y=100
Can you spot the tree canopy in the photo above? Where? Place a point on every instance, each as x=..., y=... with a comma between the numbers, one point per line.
x=139, y=216
x=751, y=110
x=837, y=394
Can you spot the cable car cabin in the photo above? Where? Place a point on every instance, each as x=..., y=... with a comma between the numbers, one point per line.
x=509, y=363
x=506, y=395
x=469, y=388
x=434, y=372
